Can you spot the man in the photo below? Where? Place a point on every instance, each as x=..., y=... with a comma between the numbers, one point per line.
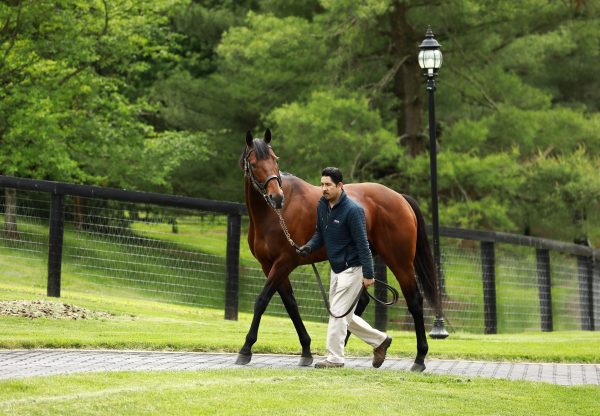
x=342, y=229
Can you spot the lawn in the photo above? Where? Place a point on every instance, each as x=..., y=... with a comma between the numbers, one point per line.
x=143, y=319
x=147, y=324
x=146, y=259
x=143, y=322
x=289, y=392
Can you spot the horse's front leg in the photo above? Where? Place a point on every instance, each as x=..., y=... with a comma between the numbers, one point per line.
x=262, y=301
x=289, y=301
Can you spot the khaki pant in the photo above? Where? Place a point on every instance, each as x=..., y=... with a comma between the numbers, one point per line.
x=343, y=290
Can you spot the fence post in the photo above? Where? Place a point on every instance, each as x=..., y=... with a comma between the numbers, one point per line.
x=488, y=274
x=542, y=256
x=234, y=229
x=381, y=315
x=55, y=244
x=586, y=299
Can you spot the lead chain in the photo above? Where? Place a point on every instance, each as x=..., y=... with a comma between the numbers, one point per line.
x=284, y=228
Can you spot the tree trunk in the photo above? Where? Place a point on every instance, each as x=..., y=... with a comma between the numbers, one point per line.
x=10, y=214
x=78, y=214
x=408, y=83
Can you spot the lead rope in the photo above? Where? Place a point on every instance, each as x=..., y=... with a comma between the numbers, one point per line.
x=284, y=228
x=318, y=276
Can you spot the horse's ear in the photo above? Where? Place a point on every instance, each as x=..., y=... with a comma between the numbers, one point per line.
x=268, y=136
x=249, y=138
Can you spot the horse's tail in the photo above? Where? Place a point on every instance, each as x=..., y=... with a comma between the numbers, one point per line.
x=424, y=265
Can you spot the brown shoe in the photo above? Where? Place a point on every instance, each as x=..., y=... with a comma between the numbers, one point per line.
x=379, y=352
x=328, y=364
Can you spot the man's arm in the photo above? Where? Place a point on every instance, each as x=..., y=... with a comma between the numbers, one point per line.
x=315, y=242
x=358, y=230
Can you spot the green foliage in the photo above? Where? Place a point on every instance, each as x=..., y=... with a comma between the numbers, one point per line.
x=284, y=8
x=563, y=190
x=73, y=80
x=475, y=191
x=556, y=131
x=169, y=150
x=349, y=135
x=333, y=98
x=158, y=95
x=269, y=61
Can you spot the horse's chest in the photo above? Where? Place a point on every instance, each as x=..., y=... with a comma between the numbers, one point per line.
x=263, y=246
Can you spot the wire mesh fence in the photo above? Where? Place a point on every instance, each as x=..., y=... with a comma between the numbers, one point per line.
x=151, y=252
x=24, y=240
x=178, y=255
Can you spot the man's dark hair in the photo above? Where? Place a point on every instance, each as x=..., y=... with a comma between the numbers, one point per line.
x=334, y=173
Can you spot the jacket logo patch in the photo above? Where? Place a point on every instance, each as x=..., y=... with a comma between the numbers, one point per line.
x=336, y=221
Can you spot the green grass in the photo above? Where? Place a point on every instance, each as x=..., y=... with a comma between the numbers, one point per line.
x=157, y=324
x=145, y=324
x=96, y=264
x=212, y=239
x=289, y=392
x=154, y=325
x=162, y=266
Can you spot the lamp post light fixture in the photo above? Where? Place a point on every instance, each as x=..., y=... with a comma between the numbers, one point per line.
x=430, y=61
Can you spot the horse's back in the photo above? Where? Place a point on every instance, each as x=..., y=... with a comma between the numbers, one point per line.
x=390, y=218
x=377, y=199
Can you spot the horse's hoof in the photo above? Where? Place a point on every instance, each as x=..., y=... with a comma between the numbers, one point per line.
x=418, y=368
x=243, y=359
x=305, y=361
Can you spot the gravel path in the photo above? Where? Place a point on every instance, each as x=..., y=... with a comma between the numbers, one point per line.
x=15, y=364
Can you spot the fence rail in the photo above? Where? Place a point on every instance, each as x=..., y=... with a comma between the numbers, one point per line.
x=179, y=249
x=588, y=274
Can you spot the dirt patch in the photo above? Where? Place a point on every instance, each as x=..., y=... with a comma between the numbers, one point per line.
x=47, y=309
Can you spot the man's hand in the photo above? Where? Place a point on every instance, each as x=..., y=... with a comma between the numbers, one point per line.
x=368, y=282
x=304, y=251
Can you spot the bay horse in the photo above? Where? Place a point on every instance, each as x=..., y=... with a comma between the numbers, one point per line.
x=395, y=228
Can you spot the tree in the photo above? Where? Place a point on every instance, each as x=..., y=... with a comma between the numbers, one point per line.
x=76, y=97
x=331, y=130
x=261, y=65
x=76, y=89
x=517, y=90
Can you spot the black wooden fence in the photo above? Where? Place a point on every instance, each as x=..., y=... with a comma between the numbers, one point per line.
x=588, y=262
x=58, y=190
x=588, y=273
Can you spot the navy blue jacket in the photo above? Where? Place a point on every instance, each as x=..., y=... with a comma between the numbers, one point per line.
x=343, y=230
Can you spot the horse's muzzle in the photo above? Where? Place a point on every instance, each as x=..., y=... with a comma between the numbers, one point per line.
x=276, y=201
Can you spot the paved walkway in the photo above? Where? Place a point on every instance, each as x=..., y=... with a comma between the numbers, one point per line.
x=45, y=362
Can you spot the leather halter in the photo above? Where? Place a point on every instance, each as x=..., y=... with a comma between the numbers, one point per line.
x=259, y=186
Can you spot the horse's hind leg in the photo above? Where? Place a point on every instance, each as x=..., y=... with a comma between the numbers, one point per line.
x=414, y=300
x=289, y=301
x=260, y=305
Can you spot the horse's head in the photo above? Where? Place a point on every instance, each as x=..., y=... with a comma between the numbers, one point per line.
x=261, y=167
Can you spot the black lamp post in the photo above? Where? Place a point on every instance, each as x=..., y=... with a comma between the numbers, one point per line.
x=430, y=60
